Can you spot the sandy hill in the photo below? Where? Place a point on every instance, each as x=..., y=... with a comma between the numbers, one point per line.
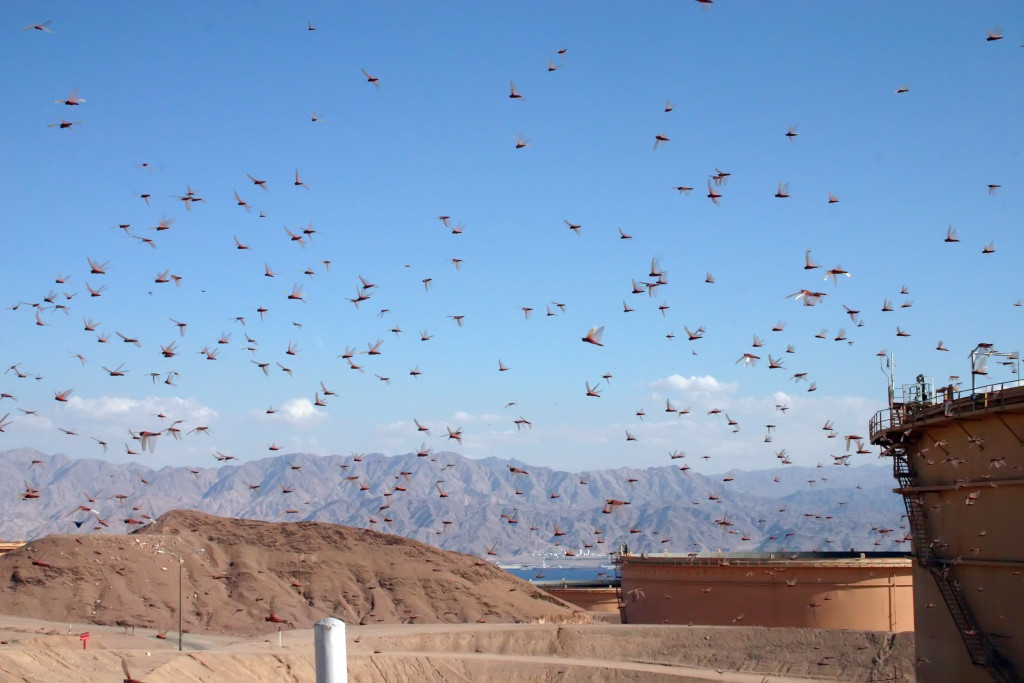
x=241, y=574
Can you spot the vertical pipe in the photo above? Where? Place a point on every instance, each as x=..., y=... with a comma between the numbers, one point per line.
x=892, y=602
x=329, y=648
x=181, y=561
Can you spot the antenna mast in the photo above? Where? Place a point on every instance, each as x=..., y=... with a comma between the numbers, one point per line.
x=889, y=370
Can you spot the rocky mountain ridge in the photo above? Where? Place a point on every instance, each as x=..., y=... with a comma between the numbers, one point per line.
x=489, y=507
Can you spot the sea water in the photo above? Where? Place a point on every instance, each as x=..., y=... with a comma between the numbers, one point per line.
x=592, y=574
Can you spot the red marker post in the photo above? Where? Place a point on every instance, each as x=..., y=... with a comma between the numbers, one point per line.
x=85, y=639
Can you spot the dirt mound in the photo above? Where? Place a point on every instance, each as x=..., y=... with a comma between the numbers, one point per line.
x=238, y=575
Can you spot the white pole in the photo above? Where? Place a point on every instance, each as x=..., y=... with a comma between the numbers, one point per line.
x=329, y=648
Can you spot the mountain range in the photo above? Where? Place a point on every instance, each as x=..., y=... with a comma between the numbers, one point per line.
x=502, y=509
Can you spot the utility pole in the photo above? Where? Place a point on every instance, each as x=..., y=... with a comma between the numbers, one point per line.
x=973, y=352
x=181, y=561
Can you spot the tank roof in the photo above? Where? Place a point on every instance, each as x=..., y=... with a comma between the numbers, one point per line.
x=747, y=559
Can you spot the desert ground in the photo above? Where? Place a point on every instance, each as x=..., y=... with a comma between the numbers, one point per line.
x=251, y=592
x=35, y=650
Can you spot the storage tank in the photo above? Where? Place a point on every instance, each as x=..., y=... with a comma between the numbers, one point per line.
x=958, y=457
x=861, y=591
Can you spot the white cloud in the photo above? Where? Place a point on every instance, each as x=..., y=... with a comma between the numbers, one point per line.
x=398, y=426
x=706, y=384
x=462, y=416
x=102, y=407
x=782, y=398
x=297, y=410
x=117, y=408
x=32, y=422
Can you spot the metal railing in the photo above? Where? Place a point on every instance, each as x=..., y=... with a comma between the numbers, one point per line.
x=996, y=395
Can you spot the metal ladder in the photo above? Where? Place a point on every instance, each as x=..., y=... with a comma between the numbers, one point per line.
x=916, y=517
x=978, y=645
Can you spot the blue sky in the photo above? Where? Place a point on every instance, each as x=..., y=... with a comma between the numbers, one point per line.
x=206, y=94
